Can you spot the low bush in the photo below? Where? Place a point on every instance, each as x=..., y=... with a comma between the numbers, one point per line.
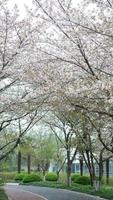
x=20, y=177
x=83, y=180
x=1, y=181
x=74, y=177
x=31, y=178
x=7, y=176
x=51, y=176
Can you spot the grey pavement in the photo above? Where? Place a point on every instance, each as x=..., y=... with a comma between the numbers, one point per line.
x=17, y=194
x=53, y=194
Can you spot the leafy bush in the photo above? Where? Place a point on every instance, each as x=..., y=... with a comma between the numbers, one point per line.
x=31, y=178
x=74, y=177
x=1, y=181
x=7, y=176
x=83, y=180
x=51, y=177
x=20, y=177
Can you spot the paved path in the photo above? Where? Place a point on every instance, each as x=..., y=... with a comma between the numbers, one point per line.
x=17, y=194
x=48, y=193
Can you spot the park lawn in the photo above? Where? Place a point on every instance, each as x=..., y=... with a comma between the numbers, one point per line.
x=106, y=191
x=3, y=196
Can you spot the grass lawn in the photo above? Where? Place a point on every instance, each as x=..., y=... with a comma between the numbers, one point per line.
x=106, y=191
x=3, y=196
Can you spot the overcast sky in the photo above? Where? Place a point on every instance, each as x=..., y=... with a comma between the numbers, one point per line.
x=21, y=4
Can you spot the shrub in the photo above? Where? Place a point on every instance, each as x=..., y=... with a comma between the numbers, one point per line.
x=1, y=181
x=31, y=178
x=51, y=177
x=83, y=180
x=7, y=176
x=74, y=177
x=20, y=177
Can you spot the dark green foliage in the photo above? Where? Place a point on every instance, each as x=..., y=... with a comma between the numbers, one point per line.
x=20, y=177
x=83, y=180
x=74, y=177
x=31, y=178
x=1, y=181
x=51, y=176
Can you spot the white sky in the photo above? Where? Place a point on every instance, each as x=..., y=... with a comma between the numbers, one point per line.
x=21, y=4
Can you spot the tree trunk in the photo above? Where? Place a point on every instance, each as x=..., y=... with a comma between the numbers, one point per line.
x=90, y=165
x=29, y=163
x=38, y=168
x=19, y=161
x=91, y=179
x=44, y=174
x=69, y=176
x=100, y=164
x=97, y=185
x=68, y=169
x=100, y=171
x=81, y=167
x=100, y=168
x=107, y=171
x=58, y=175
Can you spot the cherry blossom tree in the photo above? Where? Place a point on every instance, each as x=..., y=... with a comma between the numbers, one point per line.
x=74, y=61
x=77, y=54
x=15, y=92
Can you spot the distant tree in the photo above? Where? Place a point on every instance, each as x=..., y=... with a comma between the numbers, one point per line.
x=66, y=136
x=44, y=147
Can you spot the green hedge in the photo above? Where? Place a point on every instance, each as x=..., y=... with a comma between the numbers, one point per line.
x=74, y=177
x=20, y=177
x=83, y=180
x=31, y=178
x=51, y=176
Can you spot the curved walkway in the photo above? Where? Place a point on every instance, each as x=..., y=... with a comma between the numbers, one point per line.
x=18, y=194
x=43, y=193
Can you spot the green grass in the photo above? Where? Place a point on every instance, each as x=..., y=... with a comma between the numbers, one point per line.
x=106, y=191
x=3, y=196
x=110, y=180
